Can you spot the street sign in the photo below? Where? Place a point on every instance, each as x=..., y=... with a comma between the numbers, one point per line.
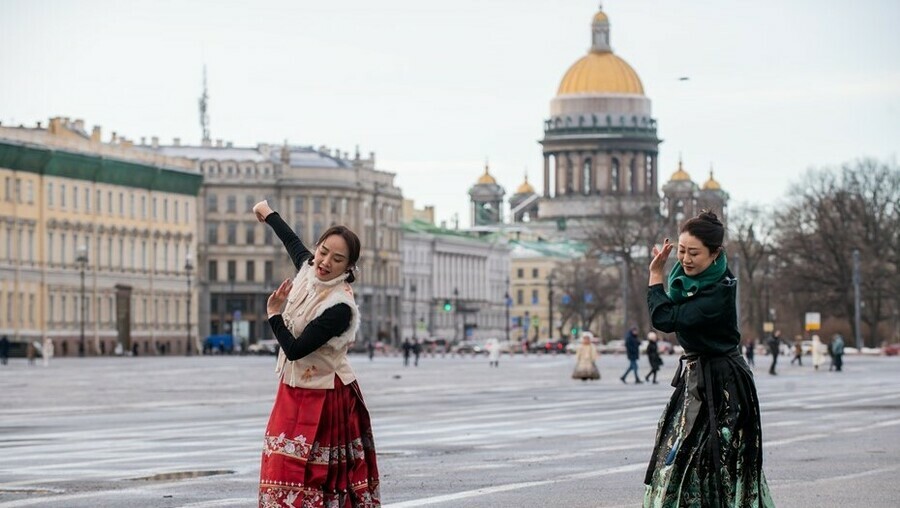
x=588, y=297
x=566, y=299
x=813, y=321
x=768, y=327
x=236, y=316
x=535, y=321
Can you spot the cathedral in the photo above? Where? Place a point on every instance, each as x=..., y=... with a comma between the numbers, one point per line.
x=600, y=151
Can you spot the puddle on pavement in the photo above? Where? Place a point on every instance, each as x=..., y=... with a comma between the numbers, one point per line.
x=180, y=475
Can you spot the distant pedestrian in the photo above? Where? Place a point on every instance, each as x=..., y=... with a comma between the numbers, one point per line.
x=407, y=351
x=47, y=351
x=749, y=351
x=708, y=449
x=417, y=350
x=4, y=350
x=798, y=352
x=493, y=347
x=633, y=351
x=816, y=351
x=371, y=347
x=774, y=344
x=29, y=352
x=837, y=348
x=653, y=356
x=586, y=360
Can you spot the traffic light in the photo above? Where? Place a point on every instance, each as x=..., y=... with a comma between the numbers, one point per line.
x=447, y=306
x=574, y=331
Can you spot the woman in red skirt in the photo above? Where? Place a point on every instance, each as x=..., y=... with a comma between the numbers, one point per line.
x=319, y=450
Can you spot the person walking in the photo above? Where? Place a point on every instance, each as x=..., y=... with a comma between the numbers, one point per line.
x=774, y=344
x=749, y=351
x=633, y=352
x=837, y=349
x=653, y=356
x=4, y=350
x=417, y=350
x=816, y=351
x=47, y=351
x=407, y=351
x=493, y=348
x=586, y=360
x=798, y=352
x=318, y=446
x=708, y=448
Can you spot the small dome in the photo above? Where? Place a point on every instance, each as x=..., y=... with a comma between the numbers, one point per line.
x=601, y=17
x=486, y=178
x=600, y=73
x=680, y=174
x=711, y=184
x=525, y=188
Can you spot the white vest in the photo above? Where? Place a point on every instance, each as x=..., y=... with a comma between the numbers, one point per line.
x=308, y=299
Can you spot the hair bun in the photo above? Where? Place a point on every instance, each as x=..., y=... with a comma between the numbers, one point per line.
x=709, y=215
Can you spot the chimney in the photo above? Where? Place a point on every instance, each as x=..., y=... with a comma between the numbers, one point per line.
x=114, y=138
x=55, y=124
x=176, y=141
x=372, y=157
x=154, y=142
x=206, y=142
x=39, y=125
x=143, y=141
x=229, y=144
x=218, y=143
x=79, y=125
x=127, y=143
x=95, y=134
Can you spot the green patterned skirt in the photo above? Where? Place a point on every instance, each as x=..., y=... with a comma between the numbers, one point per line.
x=688, y=469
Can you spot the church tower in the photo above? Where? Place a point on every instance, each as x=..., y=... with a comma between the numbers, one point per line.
x=487, y=200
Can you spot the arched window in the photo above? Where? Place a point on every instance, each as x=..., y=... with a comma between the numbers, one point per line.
x=632, y=177
x=587, y=177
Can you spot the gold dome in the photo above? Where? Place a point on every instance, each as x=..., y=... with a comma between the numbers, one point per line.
x=600, y=73
x=486, y=178
x=680, y=174
x=525, y=188
x=711, y=184
x=601, y=17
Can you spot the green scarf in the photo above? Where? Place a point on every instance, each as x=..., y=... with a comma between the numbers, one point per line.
x=683, y=286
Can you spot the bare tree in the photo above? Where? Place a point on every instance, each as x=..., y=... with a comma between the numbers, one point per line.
x=590, y=293
x=750, y=240
x=831, y=213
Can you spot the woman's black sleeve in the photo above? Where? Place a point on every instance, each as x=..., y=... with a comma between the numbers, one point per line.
x=292, y=244
x=330, y=324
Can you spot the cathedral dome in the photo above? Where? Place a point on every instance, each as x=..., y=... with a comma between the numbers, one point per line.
x=525, y=188
x=600, y=73
x=680, y=174
x=486, y=178
x=711, y=184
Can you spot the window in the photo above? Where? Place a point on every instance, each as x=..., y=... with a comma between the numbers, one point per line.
x=534, y=297
x=50, y=247
x=153, y=208
x=534, y=273
x=187, y=216
x=121, y=204
x=29, y=192
x=317, y=205
x=232, y=270
x=143, y=207
x=520, y=297
x=212, y=271
x=231, y=206
x=49, y=192
x=299, y=205
x=62, y=196
x=334, y=206
x=520, y=273
x=212, y=203
x=131, y=203
x=175, y=209
x=250, y=237
x=166, y=210
x=87, y=199
x=268, y=236
x=231, y=233
x=212, y=233
x=251, y=271
x=248, y=203
x=267, y=271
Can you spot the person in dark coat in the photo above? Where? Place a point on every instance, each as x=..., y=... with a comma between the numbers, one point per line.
x=774, y=344
x=749, y=352
x=633, y=350
x=708, y=449
x=417, y=350
x=407, y=350
x=4, y=350
x=653, y=356
x=837, y=352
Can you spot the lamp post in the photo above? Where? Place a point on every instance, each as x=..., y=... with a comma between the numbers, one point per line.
x=550, y=304
x=412, y=290
x=188, y=266
x=82, y=260
x=506, y=303
x=455, y=314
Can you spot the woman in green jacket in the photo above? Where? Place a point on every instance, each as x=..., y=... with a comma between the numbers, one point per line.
x=708, y=448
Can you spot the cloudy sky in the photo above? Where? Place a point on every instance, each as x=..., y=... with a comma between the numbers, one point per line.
x=435, y=88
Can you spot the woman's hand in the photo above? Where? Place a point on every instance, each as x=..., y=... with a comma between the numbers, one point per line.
x=275, y=303
x=658, y=264
x=262, y=210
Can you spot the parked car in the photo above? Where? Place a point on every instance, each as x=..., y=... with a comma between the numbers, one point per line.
x=435, y=345
x=615, y=346
x=264, y=347
x=468, y=347
x=891, y=350
x=548, y=346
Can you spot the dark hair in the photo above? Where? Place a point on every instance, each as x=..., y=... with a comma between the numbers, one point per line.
x=352, y=244
x=707, y=228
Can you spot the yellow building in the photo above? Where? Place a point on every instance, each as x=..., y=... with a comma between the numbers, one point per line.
x=95, y=238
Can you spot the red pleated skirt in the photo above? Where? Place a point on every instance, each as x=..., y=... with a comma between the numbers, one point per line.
x=319, y=451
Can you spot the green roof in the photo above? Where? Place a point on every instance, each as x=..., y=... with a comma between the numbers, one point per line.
x=94, y=168
x=563, y=249
x=420, y=226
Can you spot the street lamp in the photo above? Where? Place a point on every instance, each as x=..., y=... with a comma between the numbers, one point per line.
x=188, y=266
x=412, y=290
x=506, y=303
x=82, y=260
x=455, y=314
x=550, y=304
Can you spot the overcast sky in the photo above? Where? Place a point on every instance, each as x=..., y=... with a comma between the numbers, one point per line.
x=435, y=88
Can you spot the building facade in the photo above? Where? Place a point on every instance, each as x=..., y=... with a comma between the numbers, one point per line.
x=454, y=283
x=240, y=260
x=95, y=236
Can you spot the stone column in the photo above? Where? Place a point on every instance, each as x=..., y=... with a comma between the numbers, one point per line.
x=546, y=175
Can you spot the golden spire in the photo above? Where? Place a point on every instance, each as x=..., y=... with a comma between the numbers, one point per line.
x=711, y=184
x=680, y=174
x=486, y=178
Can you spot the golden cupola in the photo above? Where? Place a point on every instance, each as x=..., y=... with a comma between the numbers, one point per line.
x=525, y=188
x=486, y=178
x=711, y=184
x=600, y=71
x=680, y=174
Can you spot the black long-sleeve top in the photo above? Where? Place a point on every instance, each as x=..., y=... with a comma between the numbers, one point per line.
x=331, y=323
x=705, y=323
